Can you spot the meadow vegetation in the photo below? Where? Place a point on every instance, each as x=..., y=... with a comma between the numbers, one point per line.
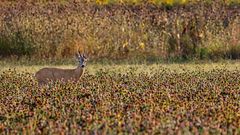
x=112, y=29
x=154, y=99
x=139, y=94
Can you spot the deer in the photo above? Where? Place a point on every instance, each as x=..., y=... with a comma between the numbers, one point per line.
x=47, y=74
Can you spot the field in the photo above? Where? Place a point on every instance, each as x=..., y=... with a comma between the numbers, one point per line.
x=155, y=66
x=126, y=99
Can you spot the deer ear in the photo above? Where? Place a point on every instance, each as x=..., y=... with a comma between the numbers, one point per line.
x=84, y=56
x=79, y=54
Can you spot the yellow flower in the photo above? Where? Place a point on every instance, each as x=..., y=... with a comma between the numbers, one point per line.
x=142, y=46
x=184, y=1
x=102, y=2
x=169, y=2
x=125, y=45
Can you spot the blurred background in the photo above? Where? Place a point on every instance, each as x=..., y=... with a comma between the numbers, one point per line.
x=120, y=29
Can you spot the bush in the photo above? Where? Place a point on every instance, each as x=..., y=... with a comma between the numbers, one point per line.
x=15, y=44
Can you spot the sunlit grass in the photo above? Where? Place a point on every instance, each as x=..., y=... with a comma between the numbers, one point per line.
x=92, y=68
x=157, y=2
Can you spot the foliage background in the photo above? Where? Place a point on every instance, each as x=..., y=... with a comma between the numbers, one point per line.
x=170, y=29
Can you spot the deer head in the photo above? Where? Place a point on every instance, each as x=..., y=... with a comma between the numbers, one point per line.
x=82, y=59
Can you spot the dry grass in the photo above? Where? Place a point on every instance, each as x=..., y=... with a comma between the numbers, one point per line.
x=121, y=68
x=54, y=29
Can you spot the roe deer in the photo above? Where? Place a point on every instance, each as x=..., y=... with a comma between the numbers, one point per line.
x=45, y=75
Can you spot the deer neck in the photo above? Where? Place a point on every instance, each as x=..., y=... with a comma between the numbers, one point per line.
x=79, y=71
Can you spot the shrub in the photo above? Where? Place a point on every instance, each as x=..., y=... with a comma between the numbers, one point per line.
x=15, y=44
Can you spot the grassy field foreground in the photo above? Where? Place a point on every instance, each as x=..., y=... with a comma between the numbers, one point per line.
x=111, y=99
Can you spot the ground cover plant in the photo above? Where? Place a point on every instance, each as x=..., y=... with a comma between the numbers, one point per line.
x=160, y=100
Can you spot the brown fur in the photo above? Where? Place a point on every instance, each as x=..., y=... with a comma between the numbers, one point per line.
x=45, y=75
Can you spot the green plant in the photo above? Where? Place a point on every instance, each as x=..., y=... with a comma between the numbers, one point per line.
x=15, y=44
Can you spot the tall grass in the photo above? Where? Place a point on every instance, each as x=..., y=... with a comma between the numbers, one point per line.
x=197, y=30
